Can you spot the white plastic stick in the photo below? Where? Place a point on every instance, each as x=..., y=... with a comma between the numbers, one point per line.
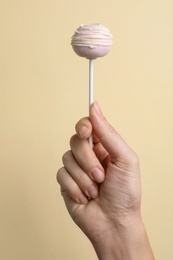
x=91, y=93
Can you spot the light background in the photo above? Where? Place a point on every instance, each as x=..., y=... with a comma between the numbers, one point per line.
x=43, y=93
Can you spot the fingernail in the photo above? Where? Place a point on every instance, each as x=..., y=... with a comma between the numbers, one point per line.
x=97, y=174
x=82, y=199
x=98, y=109
x=93, y=191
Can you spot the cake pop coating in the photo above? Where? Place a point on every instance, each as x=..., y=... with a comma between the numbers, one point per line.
x=92, y=41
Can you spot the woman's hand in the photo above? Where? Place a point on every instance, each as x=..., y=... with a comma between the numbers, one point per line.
x=101, y=186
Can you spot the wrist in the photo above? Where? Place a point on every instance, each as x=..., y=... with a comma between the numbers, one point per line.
x=128, y=241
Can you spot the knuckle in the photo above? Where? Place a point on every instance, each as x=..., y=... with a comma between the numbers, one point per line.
x=59, y=174
x=66, y=156
x=134, y=158
x=73, y=139
x=82, y=121
x=110, y=129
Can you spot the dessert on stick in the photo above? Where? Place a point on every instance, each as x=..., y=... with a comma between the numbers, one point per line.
x=91, y=41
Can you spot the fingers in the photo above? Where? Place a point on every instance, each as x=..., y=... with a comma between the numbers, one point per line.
x=83, y=166
x=106, y=139
x=84, y=130
x=88, y=186
x=100, y=152
x=70, y=187
x=118, y=149
x=75, y=182
x=87, y=159
x=82, y=169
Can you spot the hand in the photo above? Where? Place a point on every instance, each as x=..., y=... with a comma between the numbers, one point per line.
x=108, y=174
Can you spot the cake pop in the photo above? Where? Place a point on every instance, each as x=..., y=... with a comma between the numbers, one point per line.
x=91, y=41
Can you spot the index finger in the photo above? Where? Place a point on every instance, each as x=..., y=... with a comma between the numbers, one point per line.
x=84, y=130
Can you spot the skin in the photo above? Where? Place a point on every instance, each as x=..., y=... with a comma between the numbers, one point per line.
x=102, y=191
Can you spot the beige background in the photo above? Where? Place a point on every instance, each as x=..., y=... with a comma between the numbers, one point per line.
x=43, y=92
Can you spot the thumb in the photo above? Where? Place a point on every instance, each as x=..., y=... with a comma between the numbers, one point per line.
x=109, y=137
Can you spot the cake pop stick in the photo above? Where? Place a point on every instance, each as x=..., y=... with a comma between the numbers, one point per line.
x=91, y=92
x=91, y=82
x=91, y=41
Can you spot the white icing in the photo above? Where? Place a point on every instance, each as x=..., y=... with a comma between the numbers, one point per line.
x=92, y=36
